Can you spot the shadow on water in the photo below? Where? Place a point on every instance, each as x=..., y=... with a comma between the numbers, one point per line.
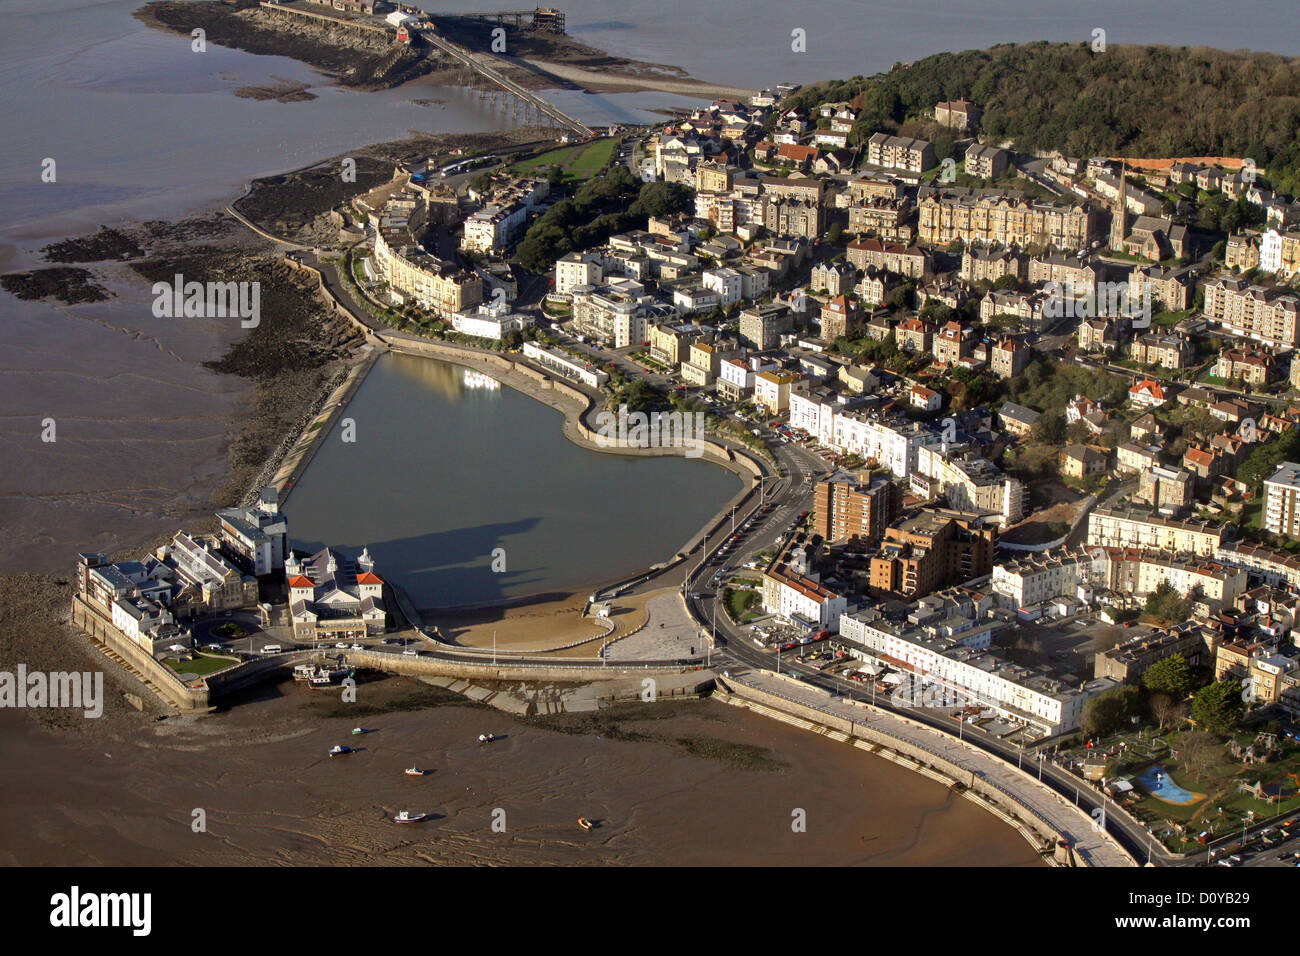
x=432, y=572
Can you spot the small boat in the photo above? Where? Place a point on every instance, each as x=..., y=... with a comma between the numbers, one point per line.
x=406, y=816
x=414, y=772
x=338, y=750
x=585, y=823
x=359, y=730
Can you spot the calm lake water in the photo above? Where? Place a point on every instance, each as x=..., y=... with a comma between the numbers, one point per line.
x=445, y=469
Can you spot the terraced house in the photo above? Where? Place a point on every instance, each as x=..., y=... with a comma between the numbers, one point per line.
x=436, y=285
x=994, y=216
x=1267, y=315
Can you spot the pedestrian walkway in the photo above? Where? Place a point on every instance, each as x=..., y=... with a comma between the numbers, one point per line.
x=1054, y=811
x=670, y=632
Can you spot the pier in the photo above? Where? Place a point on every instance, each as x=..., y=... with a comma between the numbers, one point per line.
x=480, y=65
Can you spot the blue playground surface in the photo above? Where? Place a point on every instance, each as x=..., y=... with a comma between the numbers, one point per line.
x=1157, y=782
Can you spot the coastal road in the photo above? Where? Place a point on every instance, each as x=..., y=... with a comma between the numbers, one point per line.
x=735, y=649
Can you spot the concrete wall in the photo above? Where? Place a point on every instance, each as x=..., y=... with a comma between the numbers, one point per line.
x=159, y=677
x=435, y=667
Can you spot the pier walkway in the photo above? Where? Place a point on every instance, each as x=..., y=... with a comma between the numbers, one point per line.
x=480, y=65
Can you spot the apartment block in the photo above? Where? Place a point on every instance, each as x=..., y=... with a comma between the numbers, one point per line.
x=1281, y=500
x=1133, y=528
x=900, y=152
x=1263, y=314
x=986, y=162
x=761, y=326
x=847, y=510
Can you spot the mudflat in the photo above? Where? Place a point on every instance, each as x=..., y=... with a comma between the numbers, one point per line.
x=685, y=783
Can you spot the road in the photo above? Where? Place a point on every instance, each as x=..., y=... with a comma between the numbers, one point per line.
x=734, y=649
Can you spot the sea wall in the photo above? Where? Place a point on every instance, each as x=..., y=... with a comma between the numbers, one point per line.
x=159, y=678
x=436, y=667
x=1002, y=804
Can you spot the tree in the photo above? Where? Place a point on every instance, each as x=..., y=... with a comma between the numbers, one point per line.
x=1198, y=751
x=834, y=234
x=661, y=199
x=1107, y=712
x=1162, y=708
x=1171, y=677
x=1050, y=429
x=1217, y=707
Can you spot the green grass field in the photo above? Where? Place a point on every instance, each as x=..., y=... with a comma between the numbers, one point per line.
x=201, y=665
x=578, y=162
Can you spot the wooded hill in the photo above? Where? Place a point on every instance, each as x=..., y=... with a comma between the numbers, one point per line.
x=1147, y=101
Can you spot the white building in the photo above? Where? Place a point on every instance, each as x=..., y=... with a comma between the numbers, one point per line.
x=488, y=323
x=1281, y=494
x=493, y=228
x=893, y=444
x=727, y=283
x=814, y=412
x=968, y=667
x=689, y=301
x=577, y=269
x=1037, y=578
x=565, y=365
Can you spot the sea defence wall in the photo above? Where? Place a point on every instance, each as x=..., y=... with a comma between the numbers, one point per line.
x=165, y=684
x=1038, y=832
x=486, y=670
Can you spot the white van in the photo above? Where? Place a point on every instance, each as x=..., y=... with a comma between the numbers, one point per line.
x=272, y=649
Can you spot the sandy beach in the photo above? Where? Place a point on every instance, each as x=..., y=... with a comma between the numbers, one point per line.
x=615, y=81
x=550, y=628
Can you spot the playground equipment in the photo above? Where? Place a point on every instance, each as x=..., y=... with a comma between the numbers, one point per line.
x=1262, y=750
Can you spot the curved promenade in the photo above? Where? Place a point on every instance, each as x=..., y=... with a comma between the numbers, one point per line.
x=1036, y=806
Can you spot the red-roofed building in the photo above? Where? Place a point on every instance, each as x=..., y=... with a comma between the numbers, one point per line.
x=333, y=598
x=801, y=157
x=1147, y=393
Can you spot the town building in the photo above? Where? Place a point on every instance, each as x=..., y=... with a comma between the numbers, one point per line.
x=1252, y=311
x=900, y=152
x=255, y=538
x=433, y=284
x=334, y=598
x=929, y=549
x=793, y=590
x=847, y=510
x=761, y=326
x=1017, y=420
x=1281, y=500
x=952, y=213
x=957, y=114
x=1134, y=528
x=986, y=162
